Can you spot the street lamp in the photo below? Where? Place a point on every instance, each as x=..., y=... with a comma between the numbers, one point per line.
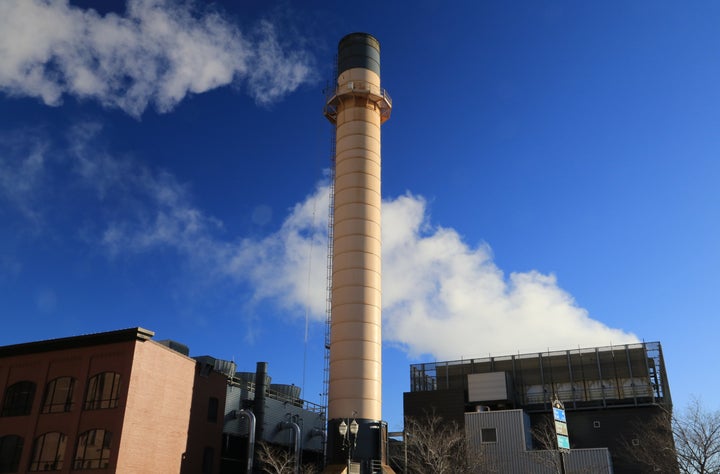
x=343, y=430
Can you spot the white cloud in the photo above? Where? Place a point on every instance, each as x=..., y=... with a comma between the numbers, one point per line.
x=157, y=53
x=441, y=296
x=289, y=266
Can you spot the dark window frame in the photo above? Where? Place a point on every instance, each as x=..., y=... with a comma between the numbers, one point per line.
x=208, y=460
x=19, y=398
x=488, y=435
x=99, y=395
x=49, y=459
x=54, y=401
x=11, y=447
x=93, y=450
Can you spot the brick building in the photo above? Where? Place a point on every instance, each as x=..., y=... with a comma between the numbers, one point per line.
x=117, y=401
x=120, y=402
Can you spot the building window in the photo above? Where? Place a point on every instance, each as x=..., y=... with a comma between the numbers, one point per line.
x=58, y=395
x=207, y=461
x=19, y=399
x=48, y=452
x=488, y=435
x=213, y=404
x=10, y=452
x=93, y=450
x=102, y=391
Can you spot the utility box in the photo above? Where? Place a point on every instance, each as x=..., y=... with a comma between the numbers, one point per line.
x=489, y=387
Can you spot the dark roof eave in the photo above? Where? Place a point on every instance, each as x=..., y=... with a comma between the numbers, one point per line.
x=74, y=342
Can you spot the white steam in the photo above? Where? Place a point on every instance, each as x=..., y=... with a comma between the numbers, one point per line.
x=157, y=53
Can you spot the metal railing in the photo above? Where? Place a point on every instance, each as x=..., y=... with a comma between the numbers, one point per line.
x=282, y=397
x=376, y=93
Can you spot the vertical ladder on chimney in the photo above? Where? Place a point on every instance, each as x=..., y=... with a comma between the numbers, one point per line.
x=328, y=299
x=329, y=90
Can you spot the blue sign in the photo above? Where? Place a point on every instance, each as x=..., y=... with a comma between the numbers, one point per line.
x=561, y=431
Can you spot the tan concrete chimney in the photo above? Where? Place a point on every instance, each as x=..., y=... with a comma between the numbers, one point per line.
x=358, y=107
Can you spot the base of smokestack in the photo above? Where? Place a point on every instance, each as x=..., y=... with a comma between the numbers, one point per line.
x=367, y=451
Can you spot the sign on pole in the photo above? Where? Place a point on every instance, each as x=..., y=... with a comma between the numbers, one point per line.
x=563, y=440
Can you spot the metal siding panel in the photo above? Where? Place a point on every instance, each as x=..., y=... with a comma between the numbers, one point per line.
x=589, y=460
x=235, y=426
x=277, y=412
x=510, y=454
x=510, y=431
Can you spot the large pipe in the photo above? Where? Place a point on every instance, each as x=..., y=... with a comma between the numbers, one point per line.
x=261, y=385
x=251, y=436
x=296, y=443
x=357, y=107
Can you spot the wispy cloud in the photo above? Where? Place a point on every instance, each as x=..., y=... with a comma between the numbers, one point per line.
x=22, y=172
x=441, y=295
x=149, y=208
x=157, y=52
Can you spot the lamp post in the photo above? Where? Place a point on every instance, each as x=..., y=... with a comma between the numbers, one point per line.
x=347, y=444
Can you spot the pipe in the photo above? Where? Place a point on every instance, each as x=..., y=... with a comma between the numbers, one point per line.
x=261, y=385
x=296, y=443
x=251, y=436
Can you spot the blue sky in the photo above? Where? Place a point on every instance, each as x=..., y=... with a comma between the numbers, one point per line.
x=550, y=178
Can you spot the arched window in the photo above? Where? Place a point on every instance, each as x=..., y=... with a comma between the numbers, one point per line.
x=10, y=452
x=48, y=452
x=93, y=450
x=58, y=395
x=102, y=391
x=18, y=399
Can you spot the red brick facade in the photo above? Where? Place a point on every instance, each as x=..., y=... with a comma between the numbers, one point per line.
x=114, y=401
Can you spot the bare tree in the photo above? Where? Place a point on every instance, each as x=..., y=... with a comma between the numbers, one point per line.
x=652, y=443
x=545, y=439
x=687, y=442
x=310, y=469
x=276, y=459
x=437, y=446
x=697, y=439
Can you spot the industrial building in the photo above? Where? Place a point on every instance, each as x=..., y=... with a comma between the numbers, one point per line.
x=122, y=402
x=281, y=419
x=610, y=394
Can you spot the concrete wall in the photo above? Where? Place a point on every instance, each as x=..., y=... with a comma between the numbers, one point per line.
x=355, y=346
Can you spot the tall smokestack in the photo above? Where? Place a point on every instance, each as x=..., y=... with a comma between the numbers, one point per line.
x=357, y=107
